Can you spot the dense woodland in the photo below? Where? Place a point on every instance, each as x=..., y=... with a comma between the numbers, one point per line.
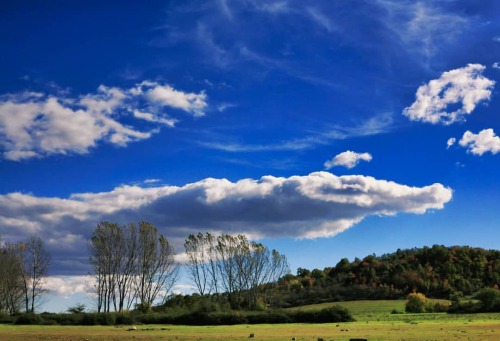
x=437, y=272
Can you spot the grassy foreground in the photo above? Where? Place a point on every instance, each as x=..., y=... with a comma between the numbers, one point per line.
x=458, y=329
x=374, y=322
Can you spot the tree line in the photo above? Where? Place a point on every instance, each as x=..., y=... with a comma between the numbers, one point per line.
x=134, y=266
x=235, y=266
x=437, y=272
x=23, y=269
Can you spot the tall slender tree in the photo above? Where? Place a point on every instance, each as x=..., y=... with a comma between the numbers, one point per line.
x=35, y=260
x=157, y=270
x=131, y=264
x=233, y=265
x=11, y=275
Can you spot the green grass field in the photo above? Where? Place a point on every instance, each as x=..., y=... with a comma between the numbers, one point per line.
x=374, y=322
x=371, y=310
x=360, y=308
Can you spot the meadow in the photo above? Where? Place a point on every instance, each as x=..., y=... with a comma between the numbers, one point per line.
x=374, y=322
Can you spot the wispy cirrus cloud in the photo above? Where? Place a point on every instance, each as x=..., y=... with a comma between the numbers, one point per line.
x=348, y=159
x=317, y=205
x=375, y=125
x=465, y=87
x=35, y=124
x=423, y=26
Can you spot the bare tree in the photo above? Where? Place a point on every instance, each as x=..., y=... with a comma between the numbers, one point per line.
x=130, y=264
x=127, y=265
x=198, y=251
x=234, y=265
x=157, y=270
x=11, y=293
x=105, y=254
x=35, y=260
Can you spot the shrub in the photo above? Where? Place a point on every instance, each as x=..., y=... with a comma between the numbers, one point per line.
x=143, y=307
x=92, y=319
x=28, y=318
x=334, y=314
x=64, y=319
x=416, y=303
x=6, y=319
x=122, y=318
x=490, y=299
x=76, y=309
x=50, y=323
x=327, y=315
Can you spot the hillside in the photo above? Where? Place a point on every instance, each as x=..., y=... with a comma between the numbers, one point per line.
x=437, y=271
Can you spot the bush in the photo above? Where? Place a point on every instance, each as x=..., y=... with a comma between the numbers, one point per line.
x=28, y=318
x=103, y=319
x=76, y=309
x=327, y=315
x=6, y=319
x=50, y=323
x=122, y=318
x=64, y=319
x=490, y=299
x=468, y=307
x=416, y=303
x=272, y=317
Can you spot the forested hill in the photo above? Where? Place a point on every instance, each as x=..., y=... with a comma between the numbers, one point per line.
x=437, y=271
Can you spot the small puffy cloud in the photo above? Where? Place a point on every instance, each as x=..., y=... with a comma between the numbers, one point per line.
x=165, y=95
x=451, y=141
x=496, y=65
x=348, y=159
x=483, y=142
x=42, y=124
x=317, y=205
x=465, y=87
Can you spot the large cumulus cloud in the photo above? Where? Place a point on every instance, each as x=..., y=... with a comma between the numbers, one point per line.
x=320, y=204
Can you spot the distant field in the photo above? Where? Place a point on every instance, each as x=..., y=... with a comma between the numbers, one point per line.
x=358, y=308
x=366, y=310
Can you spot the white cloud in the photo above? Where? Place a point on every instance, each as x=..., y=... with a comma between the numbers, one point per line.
x=496, y=65
x=422, y=27
x=465, y=87
x=348, y=159
x=167, y=96
x=70, y=285
x=483, y=142
x=316, y=205
x=154, y=118
x=38, y=124
x=451, y=141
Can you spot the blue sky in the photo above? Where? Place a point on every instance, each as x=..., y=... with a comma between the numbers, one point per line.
x=325, y=129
